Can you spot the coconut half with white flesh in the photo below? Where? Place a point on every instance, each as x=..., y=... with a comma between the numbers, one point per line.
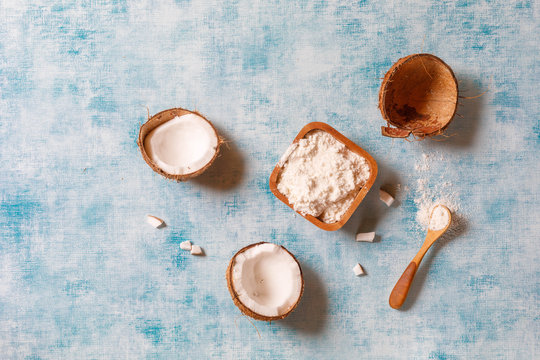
x=265, y=281
x=179, y=144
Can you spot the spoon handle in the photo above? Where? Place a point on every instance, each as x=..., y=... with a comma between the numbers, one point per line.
x=401, y=289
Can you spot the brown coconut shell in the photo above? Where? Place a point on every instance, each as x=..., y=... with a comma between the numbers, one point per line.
x=418, y=96
x=244, y=309
x=161, y=118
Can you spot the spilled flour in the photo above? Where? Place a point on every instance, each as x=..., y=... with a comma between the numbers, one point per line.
x=440, y=192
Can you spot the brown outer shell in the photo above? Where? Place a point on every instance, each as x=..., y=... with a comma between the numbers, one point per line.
x=401, y=131
x=161, y=118
x=244, y=309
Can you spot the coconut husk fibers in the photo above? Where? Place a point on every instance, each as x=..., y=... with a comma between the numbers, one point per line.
x=244, y=309
x=161, y=118
x=419, y=96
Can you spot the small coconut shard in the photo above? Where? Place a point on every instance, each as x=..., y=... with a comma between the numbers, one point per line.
x=358, y=270
x=368, y=237
x=419, y=96
x=179, y=144
x=185, y=245
x=196, y=250
x=386, y=197
x=265, y=281
x=154, y=221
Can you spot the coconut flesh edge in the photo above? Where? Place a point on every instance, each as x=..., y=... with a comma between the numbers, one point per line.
x=182, y=145
x=267, y=279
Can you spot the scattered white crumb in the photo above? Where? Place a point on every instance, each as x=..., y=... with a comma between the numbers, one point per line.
x=386, y=197
x=196, y=250
x=369, y=236
x=154, y=221
x=185, y=245
x=358, y=270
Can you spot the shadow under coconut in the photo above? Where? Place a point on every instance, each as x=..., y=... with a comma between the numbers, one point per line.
x=372, y=210
x=423, y=272
x=227, y=170
x=465, y=126
x=310, y=315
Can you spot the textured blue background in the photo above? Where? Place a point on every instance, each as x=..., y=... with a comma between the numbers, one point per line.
x=83, y=276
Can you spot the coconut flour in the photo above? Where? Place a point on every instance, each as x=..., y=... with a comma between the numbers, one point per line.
x=321, y=176
x=431, y=192
x=439, y=218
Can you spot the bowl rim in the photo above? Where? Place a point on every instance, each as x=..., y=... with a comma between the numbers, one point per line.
x=359, y=197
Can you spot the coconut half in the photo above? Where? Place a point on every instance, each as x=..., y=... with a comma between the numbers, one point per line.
x=179, y=144
x=265, y=281
x=419, y=96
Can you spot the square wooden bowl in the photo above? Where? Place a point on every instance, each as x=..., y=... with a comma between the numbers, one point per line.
x=351, y=146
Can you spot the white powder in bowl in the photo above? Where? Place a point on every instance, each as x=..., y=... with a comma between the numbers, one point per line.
x=320, y=176
x=439, y=218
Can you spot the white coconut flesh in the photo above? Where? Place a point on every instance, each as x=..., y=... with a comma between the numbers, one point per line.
x=182, y=145
x=267, y=279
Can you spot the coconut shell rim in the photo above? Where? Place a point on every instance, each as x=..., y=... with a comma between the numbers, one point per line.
x=386, y=80
x=155, y=121
x=243, y=308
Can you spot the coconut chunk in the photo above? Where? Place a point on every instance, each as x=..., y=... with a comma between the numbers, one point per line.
x=154, y=221
x=265, y=281
x=196, y=250
x=386, y=197
x=369, y=236
x=358, y=270
x=185, y=245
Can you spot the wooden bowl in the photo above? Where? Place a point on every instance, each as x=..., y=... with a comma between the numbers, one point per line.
x=361, y=193
x=419, y=96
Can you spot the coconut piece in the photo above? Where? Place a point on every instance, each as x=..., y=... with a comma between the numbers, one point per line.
x=154, y=221
x=369, y=236
x=386, y=197
x=185, y=245
x=196, y=250
x=358, y=270
x=419, y=96
x=265, y=281
x=179, y=144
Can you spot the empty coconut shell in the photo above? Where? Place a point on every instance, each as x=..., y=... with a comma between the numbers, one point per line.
x=160, y=119
x=418, y=96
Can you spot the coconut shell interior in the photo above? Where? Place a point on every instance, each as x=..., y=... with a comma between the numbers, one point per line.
x=160, y=119
x=419, y=95
x=245, y=310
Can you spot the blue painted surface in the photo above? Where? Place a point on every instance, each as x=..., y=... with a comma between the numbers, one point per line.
x=83, y=276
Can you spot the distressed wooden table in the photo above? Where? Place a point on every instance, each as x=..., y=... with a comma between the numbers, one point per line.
x=83, y=276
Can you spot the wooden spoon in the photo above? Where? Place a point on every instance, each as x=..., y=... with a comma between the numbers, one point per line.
x=401, y=289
